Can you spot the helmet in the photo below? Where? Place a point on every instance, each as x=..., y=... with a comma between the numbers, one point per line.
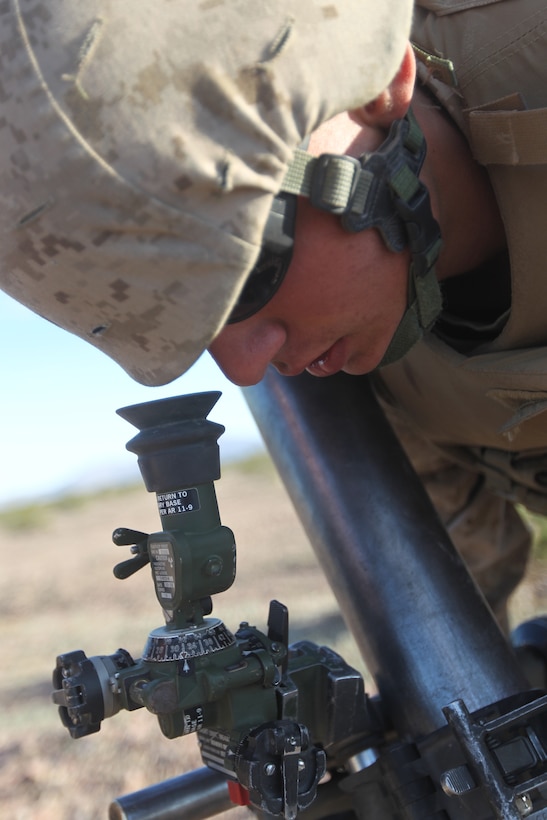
x=142, y=146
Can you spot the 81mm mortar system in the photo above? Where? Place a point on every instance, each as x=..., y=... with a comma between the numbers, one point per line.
x=273, y=719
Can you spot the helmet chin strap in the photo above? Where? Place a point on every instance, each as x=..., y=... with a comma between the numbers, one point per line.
x=382, y=190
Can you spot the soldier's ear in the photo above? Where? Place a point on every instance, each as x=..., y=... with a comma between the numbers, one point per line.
x=393, y=103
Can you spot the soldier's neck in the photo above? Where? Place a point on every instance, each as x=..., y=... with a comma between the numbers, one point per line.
x=461, y=194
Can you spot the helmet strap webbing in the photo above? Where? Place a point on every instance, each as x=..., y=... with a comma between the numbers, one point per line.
x=382, y=190
x=423, y=307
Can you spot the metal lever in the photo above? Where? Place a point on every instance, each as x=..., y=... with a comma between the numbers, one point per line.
x=124, y=537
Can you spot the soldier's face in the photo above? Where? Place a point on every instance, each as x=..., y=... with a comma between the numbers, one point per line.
x=337, y=308
x=342, y=297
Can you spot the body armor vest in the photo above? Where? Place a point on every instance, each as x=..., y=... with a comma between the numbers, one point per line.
x=486, y=404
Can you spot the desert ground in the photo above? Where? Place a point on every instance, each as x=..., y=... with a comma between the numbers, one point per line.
x=58, y=593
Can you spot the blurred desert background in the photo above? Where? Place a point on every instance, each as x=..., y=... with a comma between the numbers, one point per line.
x=58, y=594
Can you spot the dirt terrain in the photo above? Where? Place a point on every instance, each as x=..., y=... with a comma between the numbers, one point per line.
x=57, y=593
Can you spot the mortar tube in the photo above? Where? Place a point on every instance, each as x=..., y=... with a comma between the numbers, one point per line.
x=423, y=628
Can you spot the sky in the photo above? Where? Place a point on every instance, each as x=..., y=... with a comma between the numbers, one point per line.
x=59, y=430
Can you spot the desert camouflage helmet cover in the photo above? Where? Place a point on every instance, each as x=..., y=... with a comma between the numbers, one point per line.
x=141, y=145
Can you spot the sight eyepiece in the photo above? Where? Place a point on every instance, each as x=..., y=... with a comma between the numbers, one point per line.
x=177, y=445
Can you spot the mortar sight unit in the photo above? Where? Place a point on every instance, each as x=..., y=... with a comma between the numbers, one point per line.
x=268, y=718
